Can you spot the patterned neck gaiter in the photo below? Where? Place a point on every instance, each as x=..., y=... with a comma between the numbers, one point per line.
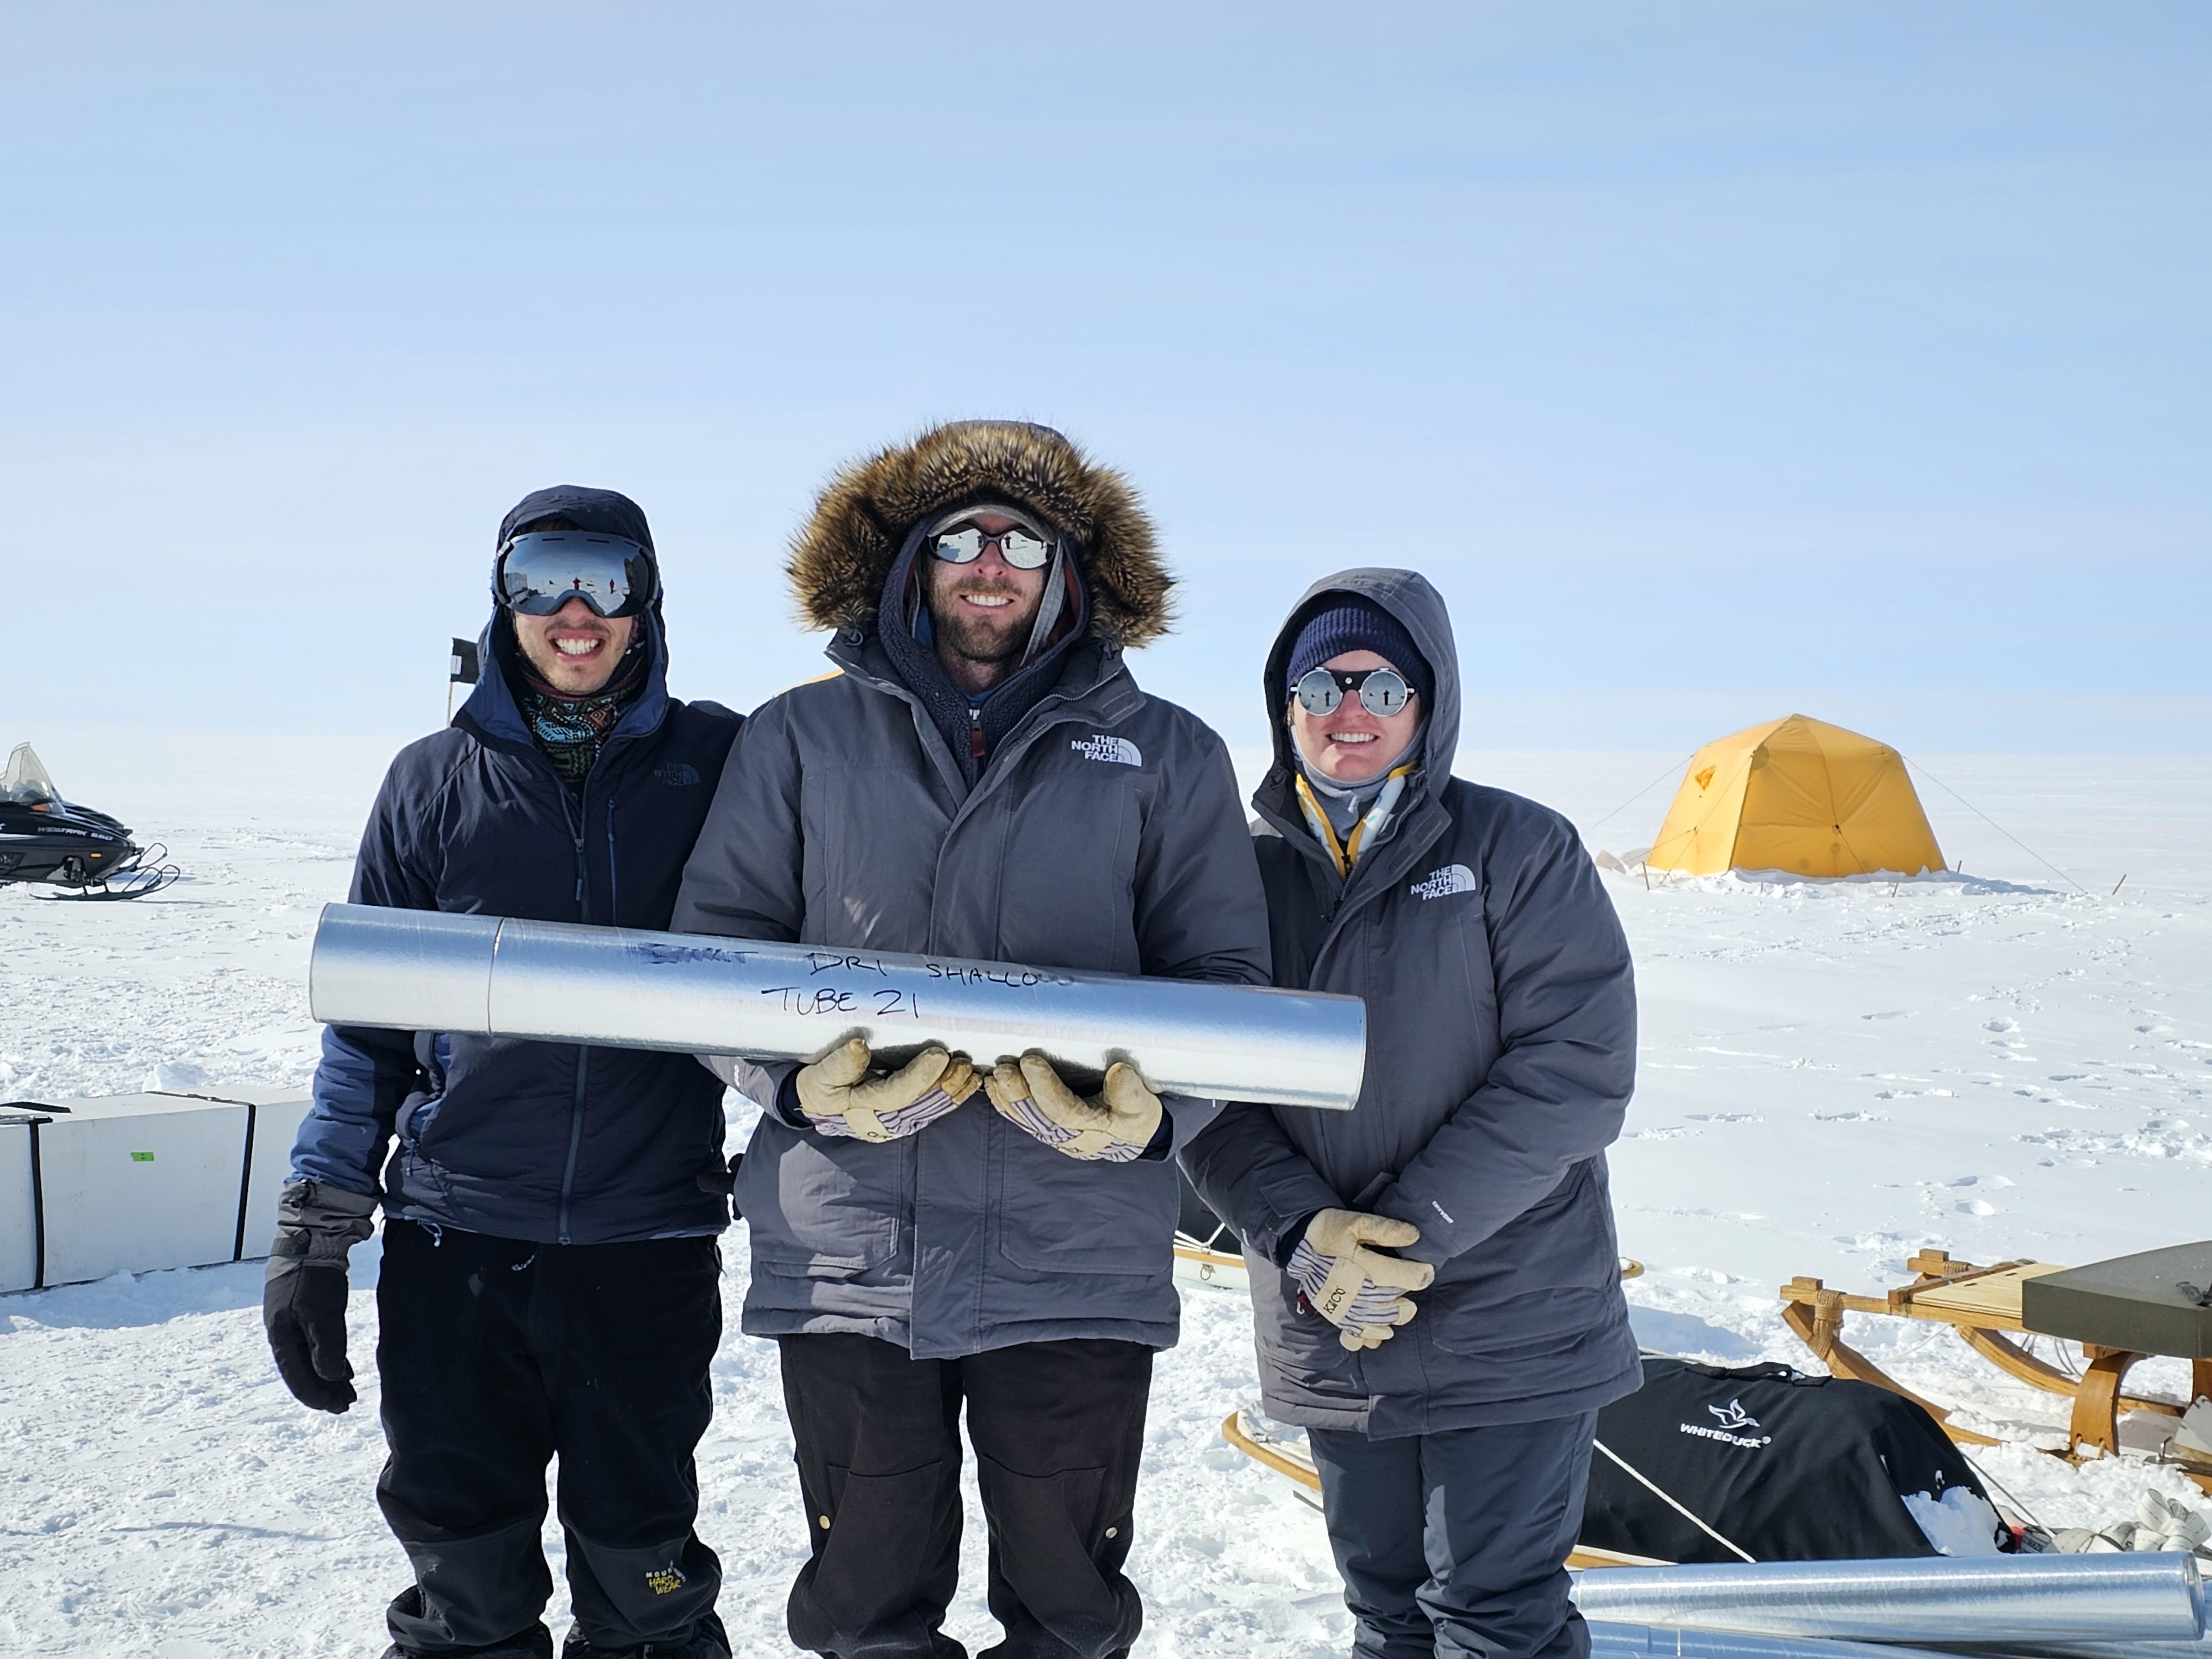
x=570, y=731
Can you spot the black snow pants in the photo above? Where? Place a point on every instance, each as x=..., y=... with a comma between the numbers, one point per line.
x=496, y=1354
x=1059, y=1430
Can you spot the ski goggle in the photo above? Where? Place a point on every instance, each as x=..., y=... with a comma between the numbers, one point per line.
x=538, y=573
x=1383, y=691
x=1020, y=547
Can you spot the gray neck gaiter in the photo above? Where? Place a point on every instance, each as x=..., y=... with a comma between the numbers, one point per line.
x=1344, y=803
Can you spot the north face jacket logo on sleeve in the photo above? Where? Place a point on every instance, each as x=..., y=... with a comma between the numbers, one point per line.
x=1119, y=750
x=1442, y=884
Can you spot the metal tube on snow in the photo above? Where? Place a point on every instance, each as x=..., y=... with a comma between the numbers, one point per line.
x=1988, y=1600
x=699, y=994
x=1611, y=1641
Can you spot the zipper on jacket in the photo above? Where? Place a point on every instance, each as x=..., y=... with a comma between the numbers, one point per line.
x=614, y=873
x=576, y=1138
x=975, y=731
x=575, y=811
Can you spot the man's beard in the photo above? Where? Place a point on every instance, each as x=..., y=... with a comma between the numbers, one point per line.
x=980, y=639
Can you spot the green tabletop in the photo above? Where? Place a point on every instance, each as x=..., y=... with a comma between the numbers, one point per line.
x=2131, y=1301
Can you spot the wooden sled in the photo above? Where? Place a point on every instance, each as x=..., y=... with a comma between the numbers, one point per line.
x=1290, y=1458
x=1209, y=1265
x=2120, y=1311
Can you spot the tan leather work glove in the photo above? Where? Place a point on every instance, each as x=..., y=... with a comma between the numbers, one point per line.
x=1360, y=1290
x=1114, y=1125
x=841, y=1096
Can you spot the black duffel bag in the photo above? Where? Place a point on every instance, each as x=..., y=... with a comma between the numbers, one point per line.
x=1781, y=1466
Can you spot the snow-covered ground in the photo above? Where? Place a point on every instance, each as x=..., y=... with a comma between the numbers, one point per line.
x=1832, y=1075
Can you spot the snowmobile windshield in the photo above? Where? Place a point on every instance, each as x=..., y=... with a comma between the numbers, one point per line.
x=27, y=781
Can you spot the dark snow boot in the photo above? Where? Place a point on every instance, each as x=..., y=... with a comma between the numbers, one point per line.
x=707, y=1640
x=406, y=1613
x=536, y=1643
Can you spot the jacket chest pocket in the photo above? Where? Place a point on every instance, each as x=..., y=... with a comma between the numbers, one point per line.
x=1067, y=874
x=519, y=861
x=1424, y=967
x=872, y=836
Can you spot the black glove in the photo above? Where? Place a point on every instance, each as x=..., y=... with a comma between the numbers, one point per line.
x=722, y=1183
x=303, y=1299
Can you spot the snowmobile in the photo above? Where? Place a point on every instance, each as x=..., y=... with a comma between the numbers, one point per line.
x=44, y=838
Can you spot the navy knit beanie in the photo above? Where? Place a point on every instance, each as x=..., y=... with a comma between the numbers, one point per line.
x=1347, y=621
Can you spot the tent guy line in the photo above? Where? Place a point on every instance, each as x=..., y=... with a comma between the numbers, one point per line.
x=1673, y=767
x=2001, y=831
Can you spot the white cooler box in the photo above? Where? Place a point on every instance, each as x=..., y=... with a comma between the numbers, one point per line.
x=134, y=1183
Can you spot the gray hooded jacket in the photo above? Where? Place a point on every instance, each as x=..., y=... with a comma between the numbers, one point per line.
x=1103, y=833
x=1501, y=1054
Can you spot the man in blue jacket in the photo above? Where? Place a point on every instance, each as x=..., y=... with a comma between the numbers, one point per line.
x=550, y=1279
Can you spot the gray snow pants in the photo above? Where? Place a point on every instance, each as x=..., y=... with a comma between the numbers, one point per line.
x=1454, y=1546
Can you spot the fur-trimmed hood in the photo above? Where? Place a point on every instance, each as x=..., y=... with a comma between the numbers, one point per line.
x=840, y=559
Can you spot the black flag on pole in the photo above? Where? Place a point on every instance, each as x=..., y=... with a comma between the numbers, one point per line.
x=464, y=667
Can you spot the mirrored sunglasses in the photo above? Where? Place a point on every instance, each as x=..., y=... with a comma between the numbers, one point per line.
x=539, y=573
x=1383, y=691
x=1024, y=549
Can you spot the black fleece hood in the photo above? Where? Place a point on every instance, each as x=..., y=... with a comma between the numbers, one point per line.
x=601, y=512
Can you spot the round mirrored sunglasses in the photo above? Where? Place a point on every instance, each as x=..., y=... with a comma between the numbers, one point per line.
x=1383, y=691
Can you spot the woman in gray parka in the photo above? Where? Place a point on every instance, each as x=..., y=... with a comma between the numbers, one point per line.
x=1471, y=1179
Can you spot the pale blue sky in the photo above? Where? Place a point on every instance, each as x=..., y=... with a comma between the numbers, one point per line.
x=1714, y=359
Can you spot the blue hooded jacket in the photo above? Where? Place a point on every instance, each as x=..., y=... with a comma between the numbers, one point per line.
x=549, y=1142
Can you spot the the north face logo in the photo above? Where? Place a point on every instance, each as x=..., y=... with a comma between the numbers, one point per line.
x=1118, y=751
x=1442, y=884
x=675, y=774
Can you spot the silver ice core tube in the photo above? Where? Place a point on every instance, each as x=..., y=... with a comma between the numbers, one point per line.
x=2003, y=1602
x=1609, y=1641
x=427, y=971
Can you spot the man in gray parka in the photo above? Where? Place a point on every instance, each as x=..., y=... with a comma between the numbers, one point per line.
x=982, y=778
x=1501, y=1054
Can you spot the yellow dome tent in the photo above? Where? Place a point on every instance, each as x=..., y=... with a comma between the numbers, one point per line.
x=1797, y=795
